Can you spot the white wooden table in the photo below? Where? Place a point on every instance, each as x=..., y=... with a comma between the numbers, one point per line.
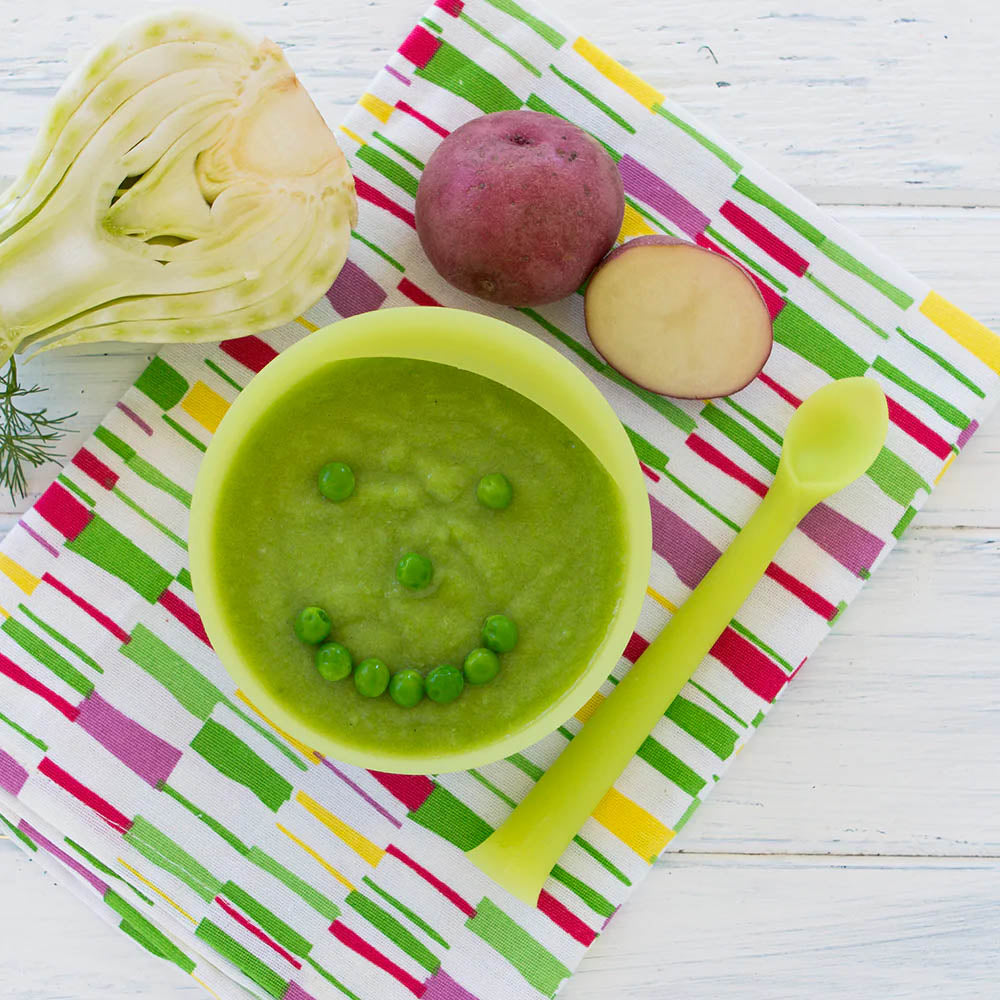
x=854, y=849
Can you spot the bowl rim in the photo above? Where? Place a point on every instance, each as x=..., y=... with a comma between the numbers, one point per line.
x=481, y=344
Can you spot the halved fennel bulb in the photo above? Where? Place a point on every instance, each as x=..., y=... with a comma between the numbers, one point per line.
x=183, y=188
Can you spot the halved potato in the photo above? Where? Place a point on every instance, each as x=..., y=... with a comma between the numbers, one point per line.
x=678, y=319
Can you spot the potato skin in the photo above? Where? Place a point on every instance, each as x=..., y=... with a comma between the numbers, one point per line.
x=656, y=240
x=518, y=207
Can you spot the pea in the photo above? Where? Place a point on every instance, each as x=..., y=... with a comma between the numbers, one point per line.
x=371, y=677
x=494, y=491
x=444, y=683
x=406, y=687
x=414, y=571
x=312, y=625
x=481, y=665
x=499, y=634
x=333, y=661
x=336, y=481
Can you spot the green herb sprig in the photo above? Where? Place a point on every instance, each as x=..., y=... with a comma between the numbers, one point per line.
x=28, y=437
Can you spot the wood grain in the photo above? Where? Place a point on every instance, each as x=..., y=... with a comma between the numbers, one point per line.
x=854, y=848
x=802, y=928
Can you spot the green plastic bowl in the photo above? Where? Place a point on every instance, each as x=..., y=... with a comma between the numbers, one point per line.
x=478, y=344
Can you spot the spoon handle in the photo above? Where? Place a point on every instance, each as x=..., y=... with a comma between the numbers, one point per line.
x=524, y=849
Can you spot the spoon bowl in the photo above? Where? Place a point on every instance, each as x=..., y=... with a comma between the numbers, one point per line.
x=835, y=435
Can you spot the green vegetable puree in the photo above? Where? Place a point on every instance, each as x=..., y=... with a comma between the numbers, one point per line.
x=418, y=437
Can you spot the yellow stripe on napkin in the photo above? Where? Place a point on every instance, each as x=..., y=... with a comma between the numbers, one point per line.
x=316, y=856
x=376, y=106
x=962, y=328
x=205, y=405
x=593, y=703
x=945, y=467
x=17, y=574
x=621, y=77
x=155, y=888
x=632, y=825
x=306, y=752
x=208, y=989
x=633, y=224
x=661, y=600
x=352, y=135
x=356, y=841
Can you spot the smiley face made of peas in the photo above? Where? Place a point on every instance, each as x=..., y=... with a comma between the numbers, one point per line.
x=372, y=677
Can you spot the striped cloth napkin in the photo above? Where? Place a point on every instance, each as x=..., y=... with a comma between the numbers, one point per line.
x=138, y=775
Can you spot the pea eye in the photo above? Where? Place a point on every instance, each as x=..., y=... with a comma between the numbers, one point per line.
x=336, y=481
x=494, y=491
x=312, y=625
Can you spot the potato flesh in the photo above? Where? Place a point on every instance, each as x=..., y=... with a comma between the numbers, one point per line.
x=679, y=320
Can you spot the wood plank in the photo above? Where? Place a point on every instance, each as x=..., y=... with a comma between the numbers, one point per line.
x=801, y=928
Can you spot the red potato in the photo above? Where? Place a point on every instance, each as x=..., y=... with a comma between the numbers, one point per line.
x=678, y=319
x=518, y=207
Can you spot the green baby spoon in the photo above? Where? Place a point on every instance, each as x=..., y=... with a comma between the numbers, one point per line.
x=831, y=440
